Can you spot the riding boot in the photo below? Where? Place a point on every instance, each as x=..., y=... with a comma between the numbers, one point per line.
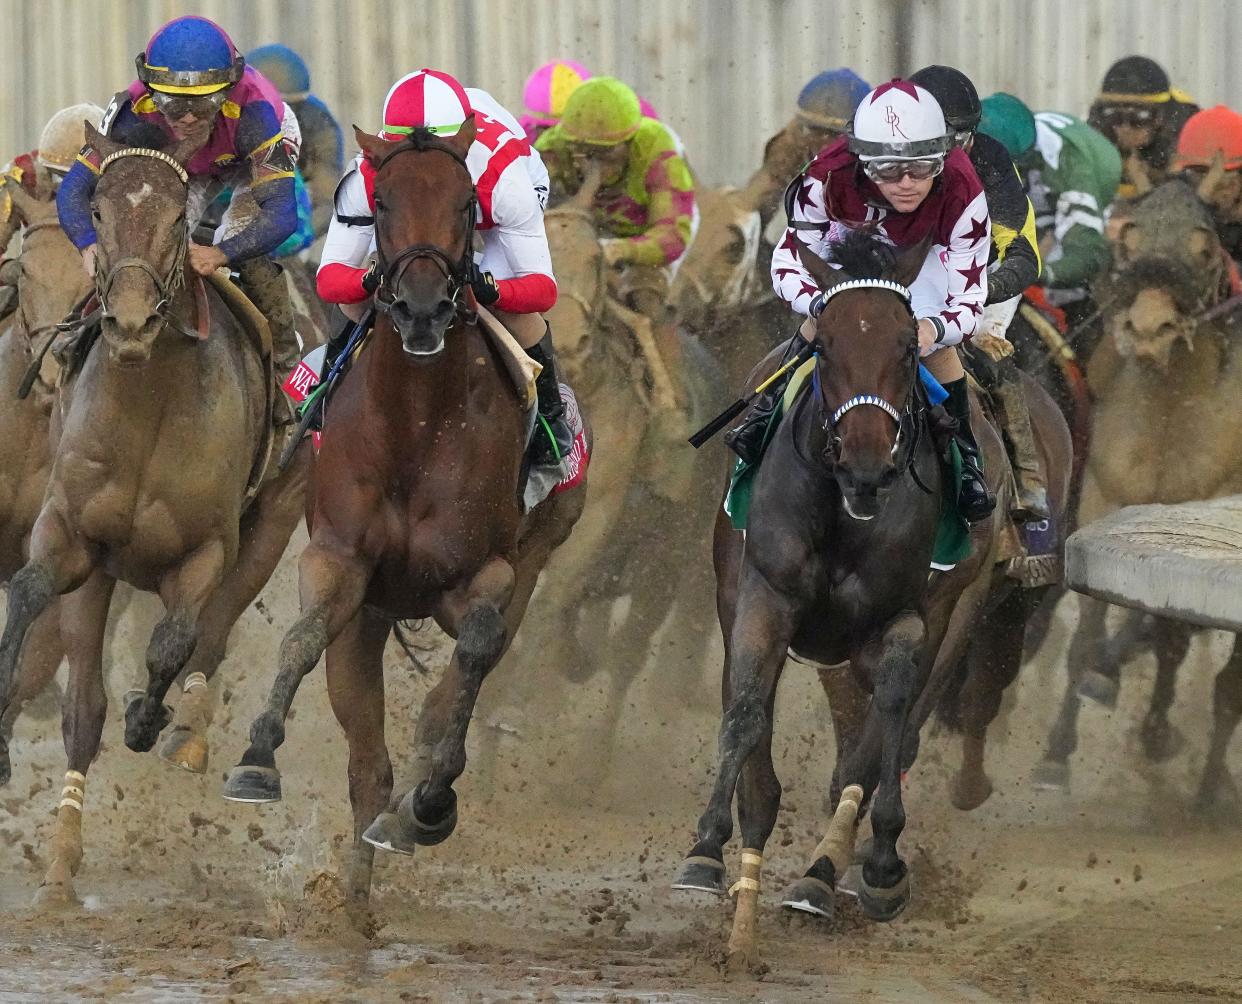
x=554, y=439
x=975, y=502
x=748, y=438
x=264, y=282
x=1032, y=501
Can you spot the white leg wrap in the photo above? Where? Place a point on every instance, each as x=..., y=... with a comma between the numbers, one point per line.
x=192, y=681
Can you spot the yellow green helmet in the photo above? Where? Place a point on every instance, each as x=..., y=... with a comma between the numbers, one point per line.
x=603, y=111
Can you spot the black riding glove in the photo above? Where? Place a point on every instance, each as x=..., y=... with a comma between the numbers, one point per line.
x=484, y=285
x=372, y=278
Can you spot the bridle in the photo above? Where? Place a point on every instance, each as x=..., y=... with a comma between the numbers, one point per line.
x=165, y=285
x=906, y=416
x=33, y=334
x=457, y=271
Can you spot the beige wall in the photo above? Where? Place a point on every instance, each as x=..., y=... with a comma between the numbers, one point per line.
x=724, y=73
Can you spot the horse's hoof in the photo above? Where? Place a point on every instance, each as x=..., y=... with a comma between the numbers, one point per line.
x=1219, y=798
x=970, y=790
x=253, y=784
x=1095, y=686
x=809, y=895
x=1051, y=775
x=884, y=904
x=427, y=834
x=56, y=896
x=142, y=724
x=185, y=749
x=387, y=833
x=1161, y=739
x=701, y=874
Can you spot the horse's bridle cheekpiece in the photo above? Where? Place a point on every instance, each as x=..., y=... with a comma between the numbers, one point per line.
x=165, y=285
x=457, y=272
x=867, y=399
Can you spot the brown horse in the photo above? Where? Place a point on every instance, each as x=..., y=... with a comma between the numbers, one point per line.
x=123, y=502
x=1166, y=377
x=415, y=511
x=51, y=282
x=834, y=566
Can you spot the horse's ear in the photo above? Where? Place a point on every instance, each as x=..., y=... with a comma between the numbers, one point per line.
x=25, y=204
x=464, y=138
x=825, y=275
x=98, y=142
x=374, y=148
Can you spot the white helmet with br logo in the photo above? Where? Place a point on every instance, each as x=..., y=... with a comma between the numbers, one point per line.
x=899, y=121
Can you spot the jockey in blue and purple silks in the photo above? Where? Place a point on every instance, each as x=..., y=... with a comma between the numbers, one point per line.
x=192, y=83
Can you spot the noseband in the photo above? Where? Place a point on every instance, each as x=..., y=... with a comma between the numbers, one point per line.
x=904, y=416
x=165, y=285
x=456, y=271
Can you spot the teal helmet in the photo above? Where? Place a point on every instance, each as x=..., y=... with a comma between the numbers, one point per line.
x=284, y=68
x=1007, y=119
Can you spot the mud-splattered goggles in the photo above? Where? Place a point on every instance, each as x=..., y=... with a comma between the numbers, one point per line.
x=177, y=106
x=1128, y=115
x=895, y=170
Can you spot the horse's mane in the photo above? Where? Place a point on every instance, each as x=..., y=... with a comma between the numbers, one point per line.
x=863, y=254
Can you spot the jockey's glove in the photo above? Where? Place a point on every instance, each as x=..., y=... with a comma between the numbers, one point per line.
x=372, y=278
x=485, y=289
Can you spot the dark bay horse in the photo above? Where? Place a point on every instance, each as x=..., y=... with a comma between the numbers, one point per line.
x=153, y=481
x=834, y=566
x=415, y=512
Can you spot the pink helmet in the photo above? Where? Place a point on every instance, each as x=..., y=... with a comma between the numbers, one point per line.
x=548, y=88
x=428, y=99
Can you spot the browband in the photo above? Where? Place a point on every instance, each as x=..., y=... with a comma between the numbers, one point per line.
x=892, y=287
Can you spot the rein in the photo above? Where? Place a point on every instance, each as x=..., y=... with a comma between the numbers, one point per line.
x=456, y=271
x=166, y=285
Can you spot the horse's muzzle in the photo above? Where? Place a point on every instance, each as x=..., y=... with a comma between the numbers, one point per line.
x=863, y=493
x=423, y=331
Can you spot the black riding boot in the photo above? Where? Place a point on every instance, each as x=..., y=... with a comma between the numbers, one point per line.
x=553, y=439
x=747, y=438
x=974, y=500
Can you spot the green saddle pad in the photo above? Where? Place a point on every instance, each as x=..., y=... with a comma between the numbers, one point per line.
x=952, y=533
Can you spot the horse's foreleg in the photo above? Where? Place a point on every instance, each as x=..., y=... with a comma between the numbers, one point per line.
x=1161, y=739
x=428, y=813
x=1087, y=652
x=1226, y=712
x=84, y=616
x=264, y=536
x=59, y=561
x=184, y=592
x=893, y=663
x=41, y=657
x=993, y=659
x=332, y=585
x=848, y=704
x=763, y=624
x=355, y=675
x=1094, y=663
x=758, y=802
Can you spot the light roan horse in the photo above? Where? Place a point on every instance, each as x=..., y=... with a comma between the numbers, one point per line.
x=415, y=512
x=160, y=438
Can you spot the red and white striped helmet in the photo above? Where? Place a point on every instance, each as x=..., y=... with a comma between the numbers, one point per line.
x=899, y=121
x=428, y=99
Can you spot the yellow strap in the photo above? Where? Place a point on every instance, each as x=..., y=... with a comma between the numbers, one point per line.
x=749, y=884
x=750, y=857
x=73, y=775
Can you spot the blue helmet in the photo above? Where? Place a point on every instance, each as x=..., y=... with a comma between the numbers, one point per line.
x=284, y=68
x=829, y=100
x=190, y=55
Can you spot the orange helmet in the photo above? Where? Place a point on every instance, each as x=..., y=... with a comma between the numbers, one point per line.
x=1208, y=133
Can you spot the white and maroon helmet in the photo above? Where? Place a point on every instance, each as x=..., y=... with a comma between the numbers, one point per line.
x=427, y=99
x=899, y=121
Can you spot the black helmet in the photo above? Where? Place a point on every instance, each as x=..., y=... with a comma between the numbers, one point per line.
x=955, y=93
x=1134, y=77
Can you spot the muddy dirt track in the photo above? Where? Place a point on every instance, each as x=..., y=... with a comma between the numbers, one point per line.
x=555, y=886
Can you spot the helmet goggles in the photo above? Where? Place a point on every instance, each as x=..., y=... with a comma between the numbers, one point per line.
x=893, y=170
x=178, y=106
